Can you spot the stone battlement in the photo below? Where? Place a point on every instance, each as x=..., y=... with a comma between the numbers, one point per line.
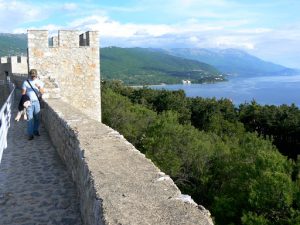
x=13, y=59
x=64, y=39
x=12, y=65
x=4, y=59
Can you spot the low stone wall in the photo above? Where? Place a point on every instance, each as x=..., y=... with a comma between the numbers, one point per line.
x=115, y=182
x=18, y=79
x=4, y=92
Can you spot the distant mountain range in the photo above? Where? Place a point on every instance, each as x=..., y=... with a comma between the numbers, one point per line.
x=13, y=44
x=233, y=61
x=145, y=66
x=154, y=66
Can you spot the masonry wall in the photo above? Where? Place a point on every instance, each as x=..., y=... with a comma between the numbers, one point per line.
x=4, y=93
x=116, y=183
x=4, y=66
x=69, y=67
x=19, y=64
x=13, y=65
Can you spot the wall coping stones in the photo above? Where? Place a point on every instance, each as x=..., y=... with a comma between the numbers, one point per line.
x=115, y=182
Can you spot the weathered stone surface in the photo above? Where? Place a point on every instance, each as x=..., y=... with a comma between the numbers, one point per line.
x=12, y=65
x=35, y=187
x=70, y=71
x=116, y=183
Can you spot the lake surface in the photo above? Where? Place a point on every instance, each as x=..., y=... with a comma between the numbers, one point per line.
x=264, y=90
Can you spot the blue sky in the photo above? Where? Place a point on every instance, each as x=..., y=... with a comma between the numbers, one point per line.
x=269, y=29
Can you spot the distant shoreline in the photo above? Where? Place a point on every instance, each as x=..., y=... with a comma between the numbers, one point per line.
x=164, y=84
x=147, y=85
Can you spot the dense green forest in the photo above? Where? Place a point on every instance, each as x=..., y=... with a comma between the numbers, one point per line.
x=140, y=66
x=224, y=157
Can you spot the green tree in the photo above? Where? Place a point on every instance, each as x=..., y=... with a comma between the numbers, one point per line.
x=254, y=219
x=240, y=176
x=130, y=120
x=181, y=151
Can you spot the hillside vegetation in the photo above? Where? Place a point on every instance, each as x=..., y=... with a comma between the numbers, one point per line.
x=221, y=155
x=13, y=44
x=139, y=66
x=145, y=66
x=134, y=66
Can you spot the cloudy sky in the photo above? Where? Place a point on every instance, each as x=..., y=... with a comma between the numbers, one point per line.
x=269, y=29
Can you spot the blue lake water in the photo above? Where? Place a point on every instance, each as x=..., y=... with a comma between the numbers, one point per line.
x=264, y=90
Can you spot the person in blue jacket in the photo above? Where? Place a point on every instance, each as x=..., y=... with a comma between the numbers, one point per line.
x=33, y=88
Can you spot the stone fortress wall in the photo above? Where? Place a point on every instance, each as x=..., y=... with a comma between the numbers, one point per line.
x=116, y=184
x=13, y=65
x=69, y=66
x=9, y=66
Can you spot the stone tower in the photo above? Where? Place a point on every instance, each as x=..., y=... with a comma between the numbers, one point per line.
x=69, y=65
x=12, y=65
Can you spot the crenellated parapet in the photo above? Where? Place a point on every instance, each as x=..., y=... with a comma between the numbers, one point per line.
x=3, y=59
x=5, y=68
x=14, y=60
x=10, y=65
x=64, y=39
x=69, y=66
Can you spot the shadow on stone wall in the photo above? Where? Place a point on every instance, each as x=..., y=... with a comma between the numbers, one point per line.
x=115, y=182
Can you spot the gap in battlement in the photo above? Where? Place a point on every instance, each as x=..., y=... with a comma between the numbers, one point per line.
x=83, y=41
x=50, y=42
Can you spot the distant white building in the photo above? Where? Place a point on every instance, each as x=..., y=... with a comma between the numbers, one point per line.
x=186, y=82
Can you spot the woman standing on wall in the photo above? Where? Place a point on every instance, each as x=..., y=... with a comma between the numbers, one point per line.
x=33, y=87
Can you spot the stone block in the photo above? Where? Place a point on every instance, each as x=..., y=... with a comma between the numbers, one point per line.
x=68, y=38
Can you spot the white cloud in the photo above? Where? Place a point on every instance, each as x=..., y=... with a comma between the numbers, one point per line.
x=70, y=6
x=191, y=33
x=233, y=42
x=14, y=13
x=193, y=3
x=124, y=9
x=194, y=39
x=52, y=28
x=191, y=23
x=111, y=28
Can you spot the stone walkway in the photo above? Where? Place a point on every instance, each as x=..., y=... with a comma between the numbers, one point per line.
x=35, y=188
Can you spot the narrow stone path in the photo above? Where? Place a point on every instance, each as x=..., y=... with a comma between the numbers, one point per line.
x=35, y=188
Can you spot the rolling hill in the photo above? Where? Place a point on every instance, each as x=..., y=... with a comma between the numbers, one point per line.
x=145, y=66
x=13, y=44
x=134, y=66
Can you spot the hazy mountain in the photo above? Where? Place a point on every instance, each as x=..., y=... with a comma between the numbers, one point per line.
x=146, y=66
x=154, y=66
x=233, y=61
x=132, y=65
x=13, y=44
